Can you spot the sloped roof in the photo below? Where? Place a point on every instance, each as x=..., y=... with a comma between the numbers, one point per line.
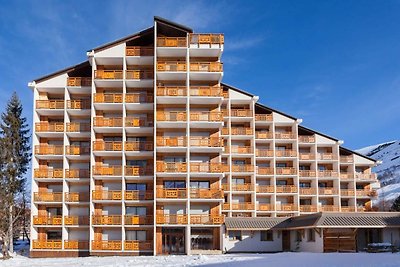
x=66, y=70
x=173, y=24
x=252, y=223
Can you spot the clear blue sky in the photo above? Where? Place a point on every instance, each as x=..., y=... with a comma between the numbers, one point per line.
x=335, y=64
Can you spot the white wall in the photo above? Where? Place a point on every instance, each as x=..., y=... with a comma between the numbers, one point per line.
x=251, y=242
x=305, y=245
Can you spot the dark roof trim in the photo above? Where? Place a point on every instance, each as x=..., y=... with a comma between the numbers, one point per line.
x=122, y=40
x=66, y=70
x=173, y=24
x=319, y=133
x=276, y=111
x=237, y=89
x=358, y=154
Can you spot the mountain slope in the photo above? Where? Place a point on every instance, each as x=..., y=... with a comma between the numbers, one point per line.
x=388, y=171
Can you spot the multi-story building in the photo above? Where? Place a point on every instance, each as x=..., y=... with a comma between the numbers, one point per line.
x=142, y=150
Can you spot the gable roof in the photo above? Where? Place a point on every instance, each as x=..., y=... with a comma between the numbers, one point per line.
x=62, y=71
x=173, y=24
x=252, y=223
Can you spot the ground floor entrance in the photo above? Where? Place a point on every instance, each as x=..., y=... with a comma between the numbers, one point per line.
x=340, y=240
x=173, y=241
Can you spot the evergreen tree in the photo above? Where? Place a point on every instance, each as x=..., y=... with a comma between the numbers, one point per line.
x=396, y=204
x=14, y=162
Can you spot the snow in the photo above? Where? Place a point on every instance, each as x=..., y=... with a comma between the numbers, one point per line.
x=231, y=260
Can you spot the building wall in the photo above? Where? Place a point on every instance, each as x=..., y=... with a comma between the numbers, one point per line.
x=251, y=242
x=304, y=245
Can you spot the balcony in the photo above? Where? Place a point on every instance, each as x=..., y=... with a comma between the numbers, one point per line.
x=76, y=197
x=108, y=98
x=206, y=91
x=306, y=139
x=308, y=208
x=139, y=121
x=137, y=245
x=264, y=135
x=107, y=146
x=73, y=220
x=287, y=207
x=263, y=117
x=107, y=220
x=286, y=171
x=138, y=220
x=309, y=191
x=207, y=167
x=285, y=135
x=238, y=187
x=76, y=244
x=239, y=206
x=239, y=149
x=285, y=153
x=265, y=189
x=77, y=173
x=326, y=156
x=171, y=167
x=347, y=209
x=107, y=195
x=171, y=91
x=306, y=156
x=138, y=195
x=139, y=51
x=77, y=150
x=108, y=74
x=171, y=42
x=243, y=168
x=204, y=193
x=47, y=197
x=172, y=219
x=48, y=173
x=206, y=40
x=365, y=176
x=307, y=173
x=265, y=171
x=347, y=192
x=207, y=219
x=286, y=189
x=265, y=207
x=171, y=116
x=107, y=170
x=45, y=220
x=47, y=244
x=241, y=131
x=171, y=66
x=346, y=176
x=49, y=104
x=206, y=67
x=241, y=113
x=172, y=193
x=264, y=152
x=107, y=245
x=53, y=150
x=213, y=116
x=139, y=75
x=327, y=191
x=78, y=104
x=107, y=122
x=54, y=127
x=139, y=146
x=139, y=98
x=329, y=208
x=139, y=170
x=206, y=142
x=366, y=193
x=78, y=127
x=79, y=81
x=346, y=159
x=328, y=173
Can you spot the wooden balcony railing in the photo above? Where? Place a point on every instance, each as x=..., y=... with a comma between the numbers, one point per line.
x=346, y=159
x=308, y=191
x=78, y=104
x=172, y=219
x=139, y=98
x=139, y=170
x=107, y=146
x=53, y=127
x=206, y=67
x=238, y=187
x=139, y=146
x=79, y=81
x=347, y=209
x=308, y=208
x=171, y=116
x=326, y=156
x=171, y=91
x=138, y=219
x=47, y=220
x=171, y=166
x=49, y=104
x=241, y=131
x=107, y=219
x=327, y=191
x=47, y=197
x=285, y=171
x=171, y=66
x=207, y=219
x=77, y=150
x=347, y=192
x=78, y=127
x=107, y=245
x=329, y=208
x=76, y=197
x=107, y=122
x=206, y=141
x=286, y=207
x=214, y=91
x=239, y=206
x=171, y=193
x=286, y=189
x=241, y=113
x=242, y=168
x=306, y=156
x=139, y=74
x=365, y=193
x=307, y=173
x=264, y=135
x=107, y=170
x=265, y=171
x=108, y=74
x=265, y=207
x=76, y=220
x=136, y=51
x=285, y=153
x=365, y=176
x=225, y=131
x=77, y=173
x=346, y=176
x=264, y=152
x=263, y=117
x=46, y=244
x=48, y=173
x=49, y=149
x=139, y=121
x=108, y=98
x=138, y=195
x=137, y=245
x=213, y=116
x=107, y=195
x=171, y=42
x=328, y=173
x=76, y=244
x=205, y=193
x=207, y=167
x=206, y=39
x=239, y=149
x=265, y=189
x=306, y=138
x=285, y=135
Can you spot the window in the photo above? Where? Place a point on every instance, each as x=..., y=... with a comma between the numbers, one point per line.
x=136, y=235
x=267, y=235
x=304, y=168
x=139, y=187
x=136, y=210
x=321, y=168
x=199, y=184
x=311, y=235
x=304, y=185
x=174, y=184
x=299, y=236
x=281, y=165
x=235, y=235
x=140, y=163
x=237, y=180
x=281, y=182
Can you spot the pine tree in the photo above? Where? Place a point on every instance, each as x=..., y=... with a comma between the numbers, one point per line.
x=396, y=204
x=14, y=162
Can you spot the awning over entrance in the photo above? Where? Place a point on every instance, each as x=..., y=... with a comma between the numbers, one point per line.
x=252, y=223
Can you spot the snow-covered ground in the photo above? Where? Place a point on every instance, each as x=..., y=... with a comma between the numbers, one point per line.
x=231, y=260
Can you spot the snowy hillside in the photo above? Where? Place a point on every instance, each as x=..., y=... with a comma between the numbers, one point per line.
x=388, y=171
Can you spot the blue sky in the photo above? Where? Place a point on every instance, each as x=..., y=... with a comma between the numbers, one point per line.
x=335, y=64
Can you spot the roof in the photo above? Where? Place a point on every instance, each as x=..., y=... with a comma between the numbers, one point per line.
x=173, y=24
x=68, y=69
x=252, y=223
x=358, y=154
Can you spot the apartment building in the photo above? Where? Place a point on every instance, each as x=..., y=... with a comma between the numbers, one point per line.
x=142, y=149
